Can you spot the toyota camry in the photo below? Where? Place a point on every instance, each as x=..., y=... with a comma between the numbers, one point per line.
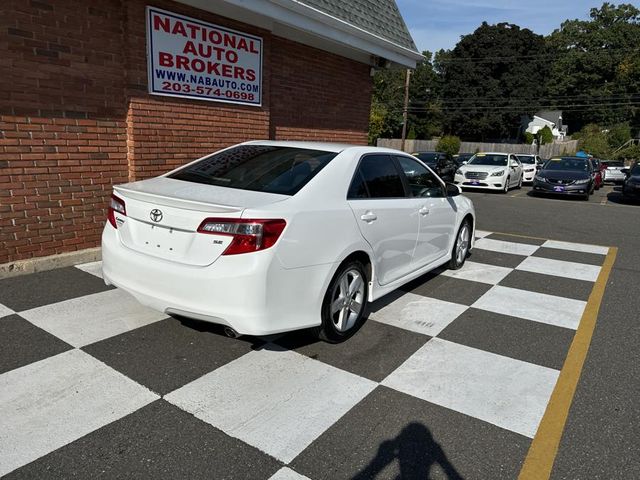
x=266, y=237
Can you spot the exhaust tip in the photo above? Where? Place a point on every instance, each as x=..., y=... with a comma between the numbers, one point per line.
x=230, y=332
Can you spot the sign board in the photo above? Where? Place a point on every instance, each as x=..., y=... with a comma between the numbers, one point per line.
x=193, y=59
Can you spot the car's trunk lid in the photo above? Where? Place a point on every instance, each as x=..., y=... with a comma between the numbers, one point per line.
x=163, y=215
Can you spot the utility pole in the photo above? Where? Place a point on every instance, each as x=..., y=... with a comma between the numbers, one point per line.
x=405, y=110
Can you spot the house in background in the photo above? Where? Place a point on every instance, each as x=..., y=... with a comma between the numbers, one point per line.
x=547, y=118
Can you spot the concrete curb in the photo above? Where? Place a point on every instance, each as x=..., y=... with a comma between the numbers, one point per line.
x=41, y=264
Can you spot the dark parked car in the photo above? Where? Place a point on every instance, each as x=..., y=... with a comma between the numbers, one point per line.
x=439, y=162
x=631, y=185
x=565, y=176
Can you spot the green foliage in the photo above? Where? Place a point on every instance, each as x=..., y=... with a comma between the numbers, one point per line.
x=596, y=65
x=618, y=135
x=425, y=116
x=545, y=136
x=593, y=140
x=377, y=118
x=629, y=153
x=412, y=133
x=528, y=138
x=481, y=82
x=449, y=144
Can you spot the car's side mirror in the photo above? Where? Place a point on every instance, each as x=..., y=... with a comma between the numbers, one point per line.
x=453, y=190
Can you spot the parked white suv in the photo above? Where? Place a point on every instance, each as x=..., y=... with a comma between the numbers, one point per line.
x=491, y=170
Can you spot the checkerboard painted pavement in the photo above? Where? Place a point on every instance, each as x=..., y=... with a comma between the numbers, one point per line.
x=456, y=368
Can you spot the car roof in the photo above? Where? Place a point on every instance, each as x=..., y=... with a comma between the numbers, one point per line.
x=324, y=146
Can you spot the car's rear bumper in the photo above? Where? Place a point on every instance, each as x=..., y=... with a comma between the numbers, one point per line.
x=614, y=177
x=251, y=293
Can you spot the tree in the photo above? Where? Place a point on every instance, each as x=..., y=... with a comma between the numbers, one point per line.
x=545, y=136
x=618, y=135
x=596, y=71
x=486, y=86
x=592, y=139
x=629, y=153
x=424, y=115
x=528, y=138
x=449, y=144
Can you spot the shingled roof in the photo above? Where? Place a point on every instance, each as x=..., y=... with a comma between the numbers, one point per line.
x=379, y=17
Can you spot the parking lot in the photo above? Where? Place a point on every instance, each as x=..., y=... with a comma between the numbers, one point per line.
x=451, y=377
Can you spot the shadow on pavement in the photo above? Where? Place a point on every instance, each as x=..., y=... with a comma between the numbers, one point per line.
x=616, y=197
x=416, y=452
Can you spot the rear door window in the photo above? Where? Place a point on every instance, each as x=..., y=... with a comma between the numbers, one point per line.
x=261, y=168
x=376, y=177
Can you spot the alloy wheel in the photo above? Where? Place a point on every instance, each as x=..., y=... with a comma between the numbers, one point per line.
x=347, y=299
x=462, y=243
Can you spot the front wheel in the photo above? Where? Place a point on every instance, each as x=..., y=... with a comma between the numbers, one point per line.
x=506, y=185
x=461, y=246
x=520, y=182
x=345, y=302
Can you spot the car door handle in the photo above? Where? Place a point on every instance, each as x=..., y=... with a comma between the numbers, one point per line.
x=369, y=217
x=423, y=211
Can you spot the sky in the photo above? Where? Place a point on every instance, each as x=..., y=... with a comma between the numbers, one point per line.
x=436, y=24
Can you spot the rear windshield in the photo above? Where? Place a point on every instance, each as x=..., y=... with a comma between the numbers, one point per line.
x=488, y=159
x=261, y=168
x=528, y=159
x=615, y=164
x=577, y=164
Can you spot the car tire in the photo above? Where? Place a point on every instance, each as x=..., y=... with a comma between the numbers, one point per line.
x=460, y=249
x=340, y=320
x=506, y=185
x=520, y=183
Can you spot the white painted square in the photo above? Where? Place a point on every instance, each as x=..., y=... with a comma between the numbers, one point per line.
x=85, y=320
x=4, y=311
x=278, y=401
x=509, y=393
x=560, y=268
x=479, y=272
x=576, y=247
x=50, y=403
x=94, y=268
x=539, y=307
x=501, y=246
x=482, y=233
x=287, y=474
x=418, y=314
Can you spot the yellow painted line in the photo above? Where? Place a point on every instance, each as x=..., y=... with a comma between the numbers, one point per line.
x=517, y=194
x=544, y=446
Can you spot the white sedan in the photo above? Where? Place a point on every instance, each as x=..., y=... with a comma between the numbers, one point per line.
x=493, y=171
x=266, y=237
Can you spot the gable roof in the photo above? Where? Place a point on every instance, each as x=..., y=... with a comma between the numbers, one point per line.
x=380, y=17
x=553, y=116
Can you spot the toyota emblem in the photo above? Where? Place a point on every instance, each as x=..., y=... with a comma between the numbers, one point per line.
x=156, y=215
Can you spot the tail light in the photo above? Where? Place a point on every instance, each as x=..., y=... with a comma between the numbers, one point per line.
x=115, y=205
x=248, y=235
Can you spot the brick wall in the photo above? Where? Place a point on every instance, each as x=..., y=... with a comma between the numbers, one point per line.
x=75, y=116
x=318, y=96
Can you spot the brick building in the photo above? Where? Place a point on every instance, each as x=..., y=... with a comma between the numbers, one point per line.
x=78, y=111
